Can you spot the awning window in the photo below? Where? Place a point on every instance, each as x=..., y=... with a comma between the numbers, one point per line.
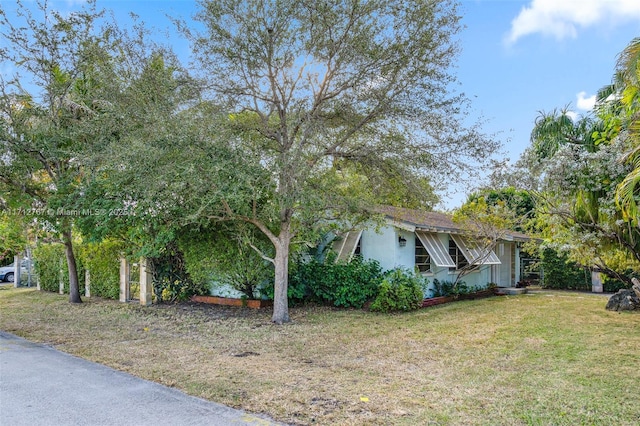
x=346, y=246
x=438, y=252
x=475, y=254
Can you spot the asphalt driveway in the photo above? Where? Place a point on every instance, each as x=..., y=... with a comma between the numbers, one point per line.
x=42, y=386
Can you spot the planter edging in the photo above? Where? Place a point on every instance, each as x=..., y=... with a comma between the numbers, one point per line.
x=227, y=301
x=433, y=301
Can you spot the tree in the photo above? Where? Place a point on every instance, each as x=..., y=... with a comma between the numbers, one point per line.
x=45, y=109
x=627, y=90
x=576, y=208
x=12, y=235
x=485, y=221
x=556, y=129
x=224, y=256
x=310, y=85
x=518, y=205
x=584, y=174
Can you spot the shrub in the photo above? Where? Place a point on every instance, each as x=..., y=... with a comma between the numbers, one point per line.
x=103, y=262
x=449, y=288
x=171, y=279
x=50, y=261
x=612, y=285
x=560, y=273
x=345, y=284
x=219, y=256
x=400, y=290
x=297, y=291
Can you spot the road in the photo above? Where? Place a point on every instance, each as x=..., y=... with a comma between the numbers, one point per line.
x=40, y=386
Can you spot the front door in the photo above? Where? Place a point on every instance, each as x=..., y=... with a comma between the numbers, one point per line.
x=504, y=275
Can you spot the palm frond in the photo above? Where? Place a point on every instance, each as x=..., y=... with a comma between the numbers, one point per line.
x=627, y=196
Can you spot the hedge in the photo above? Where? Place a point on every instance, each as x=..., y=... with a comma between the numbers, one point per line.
x=560, y=273
x=50, y=262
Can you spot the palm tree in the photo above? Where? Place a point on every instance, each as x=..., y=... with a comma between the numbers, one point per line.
x=557, y=128
x=628, y=72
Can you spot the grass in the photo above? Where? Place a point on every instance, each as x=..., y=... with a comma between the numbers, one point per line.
x=547, y=358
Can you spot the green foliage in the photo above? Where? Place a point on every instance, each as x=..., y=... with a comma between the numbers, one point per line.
x=451, y=288
x=223, y=256
x=12, y=235
x=400, y=290
x=49, y=262
x=560, y=273
x=103, y=262
x=171, y=280
x=624, y=115
x=442, y=288
x=612, y=285
x=624, y=266
x=199, y=260
x=519, y=203
x=303, y=121
x=298, y=292
x=345, y=284
x=590, y=172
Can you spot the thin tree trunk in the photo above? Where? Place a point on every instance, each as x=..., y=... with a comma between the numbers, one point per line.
x=281, y=263
x=74, y=287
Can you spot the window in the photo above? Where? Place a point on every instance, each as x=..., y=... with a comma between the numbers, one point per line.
x=348, y=245
x=423, y=260
x=438, y=252
x=457, y=256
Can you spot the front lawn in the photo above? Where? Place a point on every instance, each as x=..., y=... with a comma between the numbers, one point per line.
x=547, y=358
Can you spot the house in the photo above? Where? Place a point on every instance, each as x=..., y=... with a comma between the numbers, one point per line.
x=435, y=245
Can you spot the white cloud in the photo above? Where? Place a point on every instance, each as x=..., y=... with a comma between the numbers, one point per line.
x=73, y=3
x=563, y=18
x=572, y=115
x=584, y=103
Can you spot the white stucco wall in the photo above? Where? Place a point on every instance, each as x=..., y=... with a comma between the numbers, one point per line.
x=224, y=290
x=384, y=247
x=381, y=246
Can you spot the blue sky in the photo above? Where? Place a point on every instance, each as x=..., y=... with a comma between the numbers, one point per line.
x=521, y=57
x=518, y=57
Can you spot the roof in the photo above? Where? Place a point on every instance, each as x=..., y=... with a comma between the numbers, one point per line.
x=434, y=221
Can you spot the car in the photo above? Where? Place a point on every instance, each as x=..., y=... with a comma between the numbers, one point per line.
x=7, y=272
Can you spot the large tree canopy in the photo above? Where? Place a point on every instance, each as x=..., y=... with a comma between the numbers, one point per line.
x=309, y=113
x=83, y=92
x=47, y=108
x=321, y=95
x=585, y=176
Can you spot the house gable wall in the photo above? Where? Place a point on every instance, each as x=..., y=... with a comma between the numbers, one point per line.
x=380, y=246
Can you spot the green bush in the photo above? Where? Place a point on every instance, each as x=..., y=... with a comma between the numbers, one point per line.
x=345, y=284
x=171, y=279
x=450, y=288
x=219, y=257
x=612, y=285
x=560, y=273
x=298, y=289
x=103, y=262
x=50, y=260
x=400, y=290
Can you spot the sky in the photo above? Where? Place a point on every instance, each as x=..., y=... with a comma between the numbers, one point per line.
x=518, y=57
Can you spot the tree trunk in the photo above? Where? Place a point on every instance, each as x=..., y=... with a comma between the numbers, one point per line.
x=281, y=263
x=74, y=287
